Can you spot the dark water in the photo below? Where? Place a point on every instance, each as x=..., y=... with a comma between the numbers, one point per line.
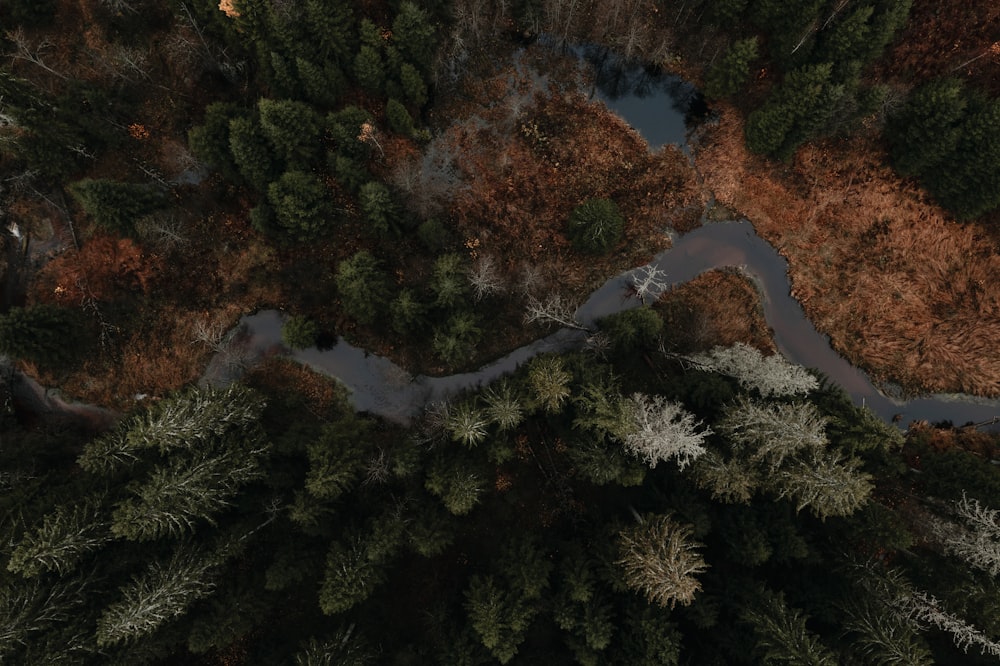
x=380, y=387
x=659, y=106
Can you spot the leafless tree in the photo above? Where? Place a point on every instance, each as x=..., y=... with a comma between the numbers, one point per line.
x=664, y=430
x=33, y=53
x=553, y=310
x=485, y=277
x=649, y=281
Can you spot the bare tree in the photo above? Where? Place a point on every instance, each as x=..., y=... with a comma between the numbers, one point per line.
x=664, y=430
x=553, y=310
x=485, y=277
x=33, y=53
x=649, y=281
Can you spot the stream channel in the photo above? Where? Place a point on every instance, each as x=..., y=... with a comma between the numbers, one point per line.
x=658, y=106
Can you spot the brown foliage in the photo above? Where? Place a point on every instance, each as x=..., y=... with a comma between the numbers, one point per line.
x=900, y=287
x=717, y=308
x=103, y=269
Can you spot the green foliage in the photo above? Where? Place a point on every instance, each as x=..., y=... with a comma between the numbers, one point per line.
x=322, y=84
x=292, y=127
x=369, y=69
x=210, y=141
x=659, y=559
x=455, y=341
x=302, y=207
x=252, y=152
x=414, y=35
x=413, y=85
x=928, y=127
x=782, y=634
x=336, y=459
x=115, y=205
x=61, y=541
x=499, y=616
x=379, y=207
x=434, y=235
x=596, y=226
x=731, y=73
x=48, y=335
x=632, y=329
x=549, y=381
x=449, y=280
x=399, y=118
x=363, y=286
x=299, y=332
x=455, y=481
x=408, y=313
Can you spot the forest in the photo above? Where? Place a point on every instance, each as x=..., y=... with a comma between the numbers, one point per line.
x=433, y=181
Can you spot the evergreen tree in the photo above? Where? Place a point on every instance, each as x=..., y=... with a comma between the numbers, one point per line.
x=407, y=313
x=549, y=382
x=413, y=85
x=62, y=540
x=302, y=206
x=210, y=141
x=449, y=280
x=322, y=84
x=45, y=334
x=399, y=118
x=332, y=30
x=379, y=208
x=292, y=127
x=824, y=481
x=115, y=205
x=782, y=636
x=659, y=559
x=252, y=152
x=163, y=592
x=414, y=35
x=336, y=459
x=455, y=341
x=457, y=482
x=772, y=376
x=928, y=127
x=732, y=72
x=596, y=226
x=363, y=286
x=299, y=332
x=369, y=69
x=499, y=616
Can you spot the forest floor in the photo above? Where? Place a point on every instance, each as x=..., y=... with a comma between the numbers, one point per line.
x=903, y=290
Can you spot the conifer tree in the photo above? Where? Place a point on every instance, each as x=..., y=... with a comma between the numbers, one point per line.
x=292, y=127
x=163, y=592
x=302, y=207
x=549, y=382
x=65, y=536
x=782, y=635
x=209, y=142
x=252, y=152
x=772, y=376
x=379, y=208
x=115, y=205
x=732, y=72
x=45, y=334
x=363, y=287
x=659, y=559
x=414, y=35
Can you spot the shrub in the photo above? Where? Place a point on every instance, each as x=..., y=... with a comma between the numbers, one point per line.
x=299, y=332
x=595, y=226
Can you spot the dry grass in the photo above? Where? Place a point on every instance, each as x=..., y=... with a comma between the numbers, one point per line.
x=715, y=308
x=901, y=288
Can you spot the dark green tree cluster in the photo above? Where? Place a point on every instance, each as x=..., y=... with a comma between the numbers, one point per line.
x=948, y=136
x=596, y=226
x=48, y=335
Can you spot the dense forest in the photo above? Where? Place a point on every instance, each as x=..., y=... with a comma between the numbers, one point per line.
x=432, y=180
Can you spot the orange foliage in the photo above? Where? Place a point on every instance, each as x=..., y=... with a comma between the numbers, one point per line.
x=103, y=267
x=900, y=287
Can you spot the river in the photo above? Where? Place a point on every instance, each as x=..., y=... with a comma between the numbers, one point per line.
x=658, y=106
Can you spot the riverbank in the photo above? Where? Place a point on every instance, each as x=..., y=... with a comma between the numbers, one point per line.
x=903, y=290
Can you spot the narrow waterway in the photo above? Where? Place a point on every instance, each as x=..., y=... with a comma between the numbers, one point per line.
x=659, y=107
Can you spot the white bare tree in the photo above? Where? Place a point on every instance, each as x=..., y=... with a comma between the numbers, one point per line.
x=485, y=277
x=553, y=310
x=664, y=430
x=772, y=375
x=649, y=281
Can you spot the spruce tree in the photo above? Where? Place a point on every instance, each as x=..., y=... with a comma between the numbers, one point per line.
x=732, y=72
x=116, y=205
x=302, y=207
x=292, y=127
x=45, y=334
x=363, y=286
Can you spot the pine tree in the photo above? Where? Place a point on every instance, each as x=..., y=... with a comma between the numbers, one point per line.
x=456, y=481
x=768, y=433
x=782, y=636
x=378, y=206
x=363, y=287
x=399, y=118
x=332, y=30
x=413, y=85
x=732, y=72
x=407, y=313
x=115, y=205
x=336, y=459
x=209, y=142
x=299, y=332
x=252, y=152
x=414, y=35
x=369, y=69
x=45, y=334
x=549, y=382
x=596, y=226
x=499, y=616
x=928, y=127
x=824, y=481
x=448, y=280
x=302, y=206
x=292, y=127
x=163, y=592
x=65, y=536
x=504, y=406
x=659, y=559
